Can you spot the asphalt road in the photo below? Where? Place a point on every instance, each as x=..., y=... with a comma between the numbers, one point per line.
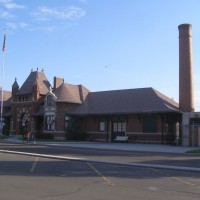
x=182, y=160
x=28, y=177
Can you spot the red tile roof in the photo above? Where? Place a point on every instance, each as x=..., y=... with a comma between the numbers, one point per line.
x=35, y=78
x=70, y=93
x=142, y=100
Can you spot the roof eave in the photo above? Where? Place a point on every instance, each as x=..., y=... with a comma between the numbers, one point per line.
x=125, y=113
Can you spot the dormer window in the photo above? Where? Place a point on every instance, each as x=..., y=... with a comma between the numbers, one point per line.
x=50, y=101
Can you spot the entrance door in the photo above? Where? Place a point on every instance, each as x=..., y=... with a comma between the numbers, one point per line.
x=118, y=129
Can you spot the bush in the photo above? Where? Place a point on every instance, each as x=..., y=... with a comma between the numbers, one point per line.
x=79, y=136
x=44, y=136
x=6, y=131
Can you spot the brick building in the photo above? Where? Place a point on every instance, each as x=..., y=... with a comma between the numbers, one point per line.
x=144, y=115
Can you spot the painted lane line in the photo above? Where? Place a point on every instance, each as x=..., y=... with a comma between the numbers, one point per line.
x=186, y=182
x=108, y=181
x=177, y=179
x=34, y=164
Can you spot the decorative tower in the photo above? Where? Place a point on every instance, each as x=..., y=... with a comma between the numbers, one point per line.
x=15, y=87
x=186, y=93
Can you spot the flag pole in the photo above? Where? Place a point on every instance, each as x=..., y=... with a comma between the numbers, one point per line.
x=3, y=50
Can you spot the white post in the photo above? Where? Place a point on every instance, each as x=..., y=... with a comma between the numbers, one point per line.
x=3, y=50
x=177, y=133
x=193, y=134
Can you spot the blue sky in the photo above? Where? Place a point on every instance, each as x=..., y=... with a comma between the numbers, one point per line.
x=101, y=44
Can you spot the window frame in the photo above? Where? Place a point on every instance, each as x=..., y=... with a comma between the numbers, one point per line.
x=50, y=100
x=102, y=126
x=50, y=126
x=119, y=126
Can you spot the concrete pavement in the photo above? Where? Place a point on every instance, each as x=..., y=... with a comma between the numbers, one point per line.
x=115, y=146
x=127, y=147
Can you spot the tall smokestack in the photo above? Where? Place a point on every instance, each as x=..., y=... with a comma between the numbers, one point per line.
x=186, y=94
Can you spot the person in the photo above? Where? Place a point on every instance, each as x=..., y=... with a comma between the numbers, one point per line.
x=27, y=136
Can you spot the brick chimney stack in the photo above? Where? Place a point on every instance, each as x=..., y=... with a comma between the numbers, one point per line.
x=186, y=93
x=57, y=82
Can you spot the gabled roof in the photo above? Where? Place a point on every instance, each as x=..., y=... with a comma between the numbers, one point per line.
x=33, y=79
x=142, y=100
x=70, y=93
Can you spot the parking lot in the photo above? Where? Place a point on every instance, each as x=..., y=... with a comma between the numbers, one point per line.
x=30, y=177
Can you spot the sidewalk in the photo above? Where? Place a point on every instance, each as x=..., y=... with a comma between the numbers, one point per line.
x=115, y=146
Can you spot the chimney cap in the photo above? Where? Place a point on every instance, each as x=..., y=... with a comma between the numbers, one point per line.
x=184, y=26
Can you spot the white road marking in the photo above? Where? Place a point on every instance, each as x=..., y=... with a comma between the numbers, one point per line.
x=34, y=164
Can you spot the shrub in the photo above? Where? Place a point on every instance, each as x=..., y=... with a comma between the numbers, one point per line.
x=44, y=136
x=79, y=136
x=6, y=131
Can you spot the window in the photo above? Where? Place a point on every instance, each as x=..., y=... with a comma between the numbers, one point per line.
x=123, y=127
x=115, y=127
x=101, y=126
x=119, y=127
x=24, y=98
x=50, y=122
x=50, y=101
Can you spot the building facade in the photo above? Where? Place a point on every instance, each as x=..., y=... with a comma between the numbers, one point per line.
x=144, y=114
x=141, y=115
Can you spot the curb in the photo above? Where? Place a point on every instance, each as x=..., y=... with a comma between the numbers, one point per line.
x=168, y=167
x=92, y=147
